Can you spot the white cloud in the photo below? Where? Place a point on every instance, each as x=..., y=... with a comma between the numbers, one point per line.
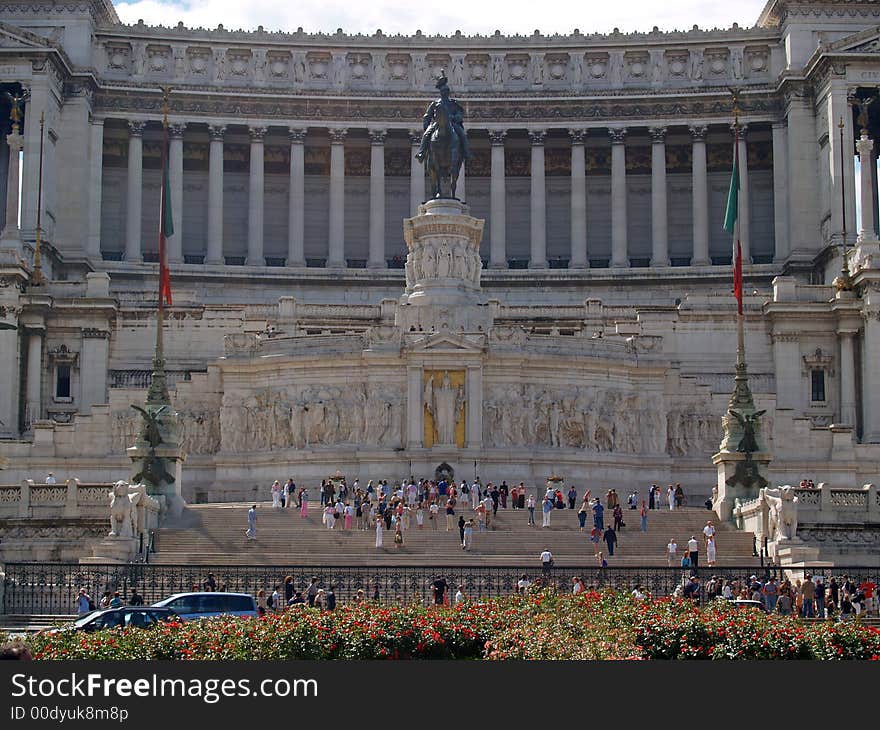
x=407, y=16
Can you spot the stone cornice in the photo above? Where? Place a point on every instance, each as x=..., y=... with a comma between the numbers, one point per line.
x=779, y=13
x=429, y=43
x=102, y=11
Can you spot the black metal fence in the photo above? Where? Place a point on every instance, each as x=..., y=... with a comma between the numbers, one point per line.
x=51, y=588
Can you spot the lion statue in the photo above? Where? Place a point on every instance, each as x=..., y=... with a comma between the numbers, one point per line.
x=123, y=516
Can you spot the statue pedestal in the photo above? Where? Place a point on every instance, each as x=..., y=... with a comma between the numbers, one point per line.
x=172, y=458
x=798, y=557
x=113, y=550
x=738, y=478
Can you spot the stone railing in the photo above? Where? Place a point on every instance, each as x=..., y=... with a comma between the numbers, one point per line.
x=827, y=505
x=68, y=500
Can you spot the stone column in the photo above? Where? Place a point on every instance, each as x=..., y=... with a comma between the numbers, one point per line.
x=538, y=258
x=336, y=252
x=296, y=231
x=416, y=175
x=96, y=170
x=847, y=378
x=619, y=254
x=787, y=365
x=870, y=372
x=866, y=224
x=497, y=203
x=700, y=197
x=134, y=192
x=33, y=390
x=9, y=365
x=744, y=212
x=659, y=226
x=578, y=258
x=780, y=191
x=474, y=417
x=214, y=254
x=803, y=214
x=414, y=407
x=255, y=199
x=838, y=109
x=15, y=140
x=377, y=199
x=175, y=170
x=93, y=369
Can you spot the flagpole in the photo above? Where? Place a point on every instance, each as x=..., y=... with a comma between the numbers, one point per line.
x=37, y=277
x=158, y=391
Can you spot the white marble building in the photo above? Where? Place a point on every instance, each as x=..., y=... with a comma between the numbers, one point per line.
x=604, y=345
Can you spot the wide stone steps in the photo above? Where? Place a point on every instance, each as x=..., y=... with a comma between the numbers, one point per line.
x=214, y=535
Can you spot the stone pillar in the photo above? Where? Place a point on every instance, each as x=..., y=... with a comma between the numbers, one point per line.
x=497, y=203
x=538, y=258
x=866, y=223
x=619, y=254
x=780, y=191
x=96, y=171
x=336, y=252
x=870, y=373
x=255, y=199
x=33, y=392
x=10, y=230
x=474, y=417
x=803, y=175
x=744, y=212
x=414, y=407
x=416, y=175
x=377, y=199
x=847, y=378
x=787, y=365
x=175, y=170
x=134, y=192
x=579, y=259
x=214, y=253
x=93, y=369
x=700, y=197
x=296, y=231
x=659, y=226
x=9, y=365
x=839, y=110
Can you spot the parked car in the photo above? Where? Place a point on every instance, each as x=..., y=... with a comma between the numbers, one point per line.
x=201, y=605
x=126, y=616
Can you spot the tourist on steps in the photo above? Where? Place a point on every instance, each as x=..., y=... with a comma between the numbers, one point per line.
x=251, y=531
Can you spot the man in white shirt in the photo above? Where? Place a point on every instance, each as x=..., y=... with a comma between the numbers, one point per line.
x=694, y=550
x=459, y=596
x=523, y=584
x=50, y=479
x=709, y=530
x=637, y=594
x=546, y=561
x=671, y=549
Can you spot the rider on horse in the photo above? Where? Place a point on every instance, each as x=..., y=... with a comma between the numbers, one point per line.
x=454, y=112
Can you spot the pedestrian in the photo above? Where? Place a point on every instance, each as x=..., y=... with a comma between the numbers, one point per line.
x=251, y=531
x=546, y=561
x=693, y=551
x=459, y=596
x=770, y=593
x=572, y=496
x=136, y=598
x=652, y=497
x=439, y=586
x=644, y=517
x=379, y=527
x=522, y=585
x=600, y=561
x=530, y=505
x=577, y=585
x=83, y=602
x=582, y=517
x=808, y=590
x=610, y=538
x=598, y=514
x=461, y=524
x=303, y=502
x=467, y=535
x=433, y=514
x=670, y=497
x=398, y=535
x=547, y=509
x=679, y=496
x=671, y=550
x=276, y=494
x=420, y=516
x=618, y=517
x=450, y=514
x=502, y=493
x=496, y=498
x=348, y=512
x=595, y=538
x=710, y=551
x=262, y=603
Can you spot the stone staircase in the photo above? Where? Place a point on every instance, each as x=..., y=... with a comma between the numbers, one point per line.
x=213, y=534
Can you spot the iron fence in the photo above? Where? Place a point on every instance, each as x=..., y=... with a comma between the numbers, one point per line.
x=51, y=588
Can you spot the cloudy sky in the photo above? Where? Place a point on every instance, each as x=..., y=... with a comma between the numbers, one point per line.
x=483, y=16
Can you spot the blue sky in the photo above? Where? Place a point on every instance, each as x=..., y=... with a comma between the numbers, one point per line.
x=485, y=16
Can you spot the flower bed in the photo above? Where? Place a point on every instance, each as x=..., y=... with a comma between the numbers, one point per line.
x=537, y=626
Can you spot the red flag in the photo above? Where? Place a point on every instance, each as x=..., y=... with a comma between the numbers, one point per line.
x=738, y=278
x=166, y=227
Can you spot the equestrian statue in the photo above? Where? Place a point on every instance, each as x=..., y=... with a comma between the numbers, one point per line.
x=444, y=145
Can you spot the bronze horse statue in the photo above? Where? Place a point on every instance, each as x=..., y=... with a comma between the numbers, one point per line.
x=444, y=145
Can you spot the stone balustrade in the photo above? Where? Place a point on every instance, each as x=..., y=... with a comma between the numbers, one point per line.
x=828, y=505
x=73, y=499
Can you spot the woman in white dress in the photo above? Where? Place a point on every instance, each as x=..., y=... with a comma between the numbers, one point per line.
x=710, y=550
x=670, y=497
x=379, y=528
x=420, y=516
x=276, y=495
